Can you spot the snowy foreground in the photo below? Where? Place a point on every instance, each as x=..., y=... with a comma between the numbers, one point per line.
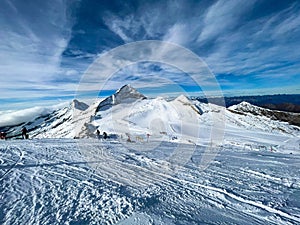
x=89, y=181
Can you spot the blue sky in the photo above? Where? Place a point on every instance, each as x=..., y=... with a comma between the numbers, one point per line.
x=252, y=47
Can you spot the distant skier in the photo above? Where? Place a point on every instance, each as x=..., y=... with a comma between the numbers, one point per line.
x=105, y=135
x=2, y=135
x=24, y=133
x=98, y=134
x=128, y=137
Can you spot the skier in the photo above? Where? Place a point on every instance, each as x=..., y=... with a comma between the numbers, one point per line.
x=105, y=135
x=24, y=133
x=2, y=135
x=98, y=134
x=128, y=137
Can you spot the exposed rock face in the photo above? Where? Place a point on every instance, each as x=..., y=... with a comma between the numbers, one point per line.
x=79, y=105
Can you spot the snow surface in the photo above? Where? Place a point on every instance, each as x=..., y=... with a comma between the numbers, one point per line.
x=88, y=181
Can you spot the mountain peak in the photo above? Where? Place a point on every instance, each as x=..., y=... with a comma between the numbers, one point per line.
x=126, y=94
x=125, y=87
x=128, y=89
x=247, y=107
x=183, y=99
x=79, y=105
x=242, y=106
x=244, y=103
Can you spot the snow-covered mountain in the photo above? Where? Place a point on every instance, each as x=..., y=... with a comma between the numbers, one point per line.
x=245, y=107
x=156, y=117
x=60, y=123
x=73, y=121
x=129, y=115
x=125, y=94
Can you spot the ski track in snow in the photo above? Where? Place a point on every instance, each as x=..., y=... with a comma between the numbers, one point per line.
x=55, y=181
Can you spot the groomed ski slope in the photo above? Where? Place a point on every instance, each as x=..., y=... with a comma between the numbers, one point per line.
x=67, y=181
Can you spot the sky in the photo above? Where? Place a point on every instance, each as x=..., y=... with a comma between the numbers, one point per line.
x=46, y=47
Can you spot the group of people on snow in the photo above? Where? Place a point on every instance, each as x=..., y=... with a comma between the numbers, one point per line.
x=24, y=133
x=104, y=135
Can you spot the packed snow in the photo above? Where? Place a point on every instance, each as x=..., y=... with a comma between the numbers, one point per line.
x=88, y=181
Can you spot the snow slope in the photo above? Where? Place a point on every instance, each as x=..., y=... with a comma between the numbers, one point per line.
x=61, y=123
x=67, y=181
x=149, y=116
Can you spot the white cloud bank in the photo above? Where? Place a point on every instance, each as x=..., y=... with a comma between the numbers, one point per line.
x=9, y=117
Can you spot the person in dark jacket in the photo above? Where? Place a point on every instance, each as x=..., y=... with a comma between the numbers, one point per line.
x=2, y=135
x=24, y=133
x=98, y=134
x=105, y=135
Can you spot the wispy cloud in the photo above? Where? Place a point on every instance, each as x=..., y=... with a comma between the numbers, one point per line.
x=45, y=47
x=223, y=17
x=147, y=64
x=263, y=49
x=235, y=38
x=32, y=39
